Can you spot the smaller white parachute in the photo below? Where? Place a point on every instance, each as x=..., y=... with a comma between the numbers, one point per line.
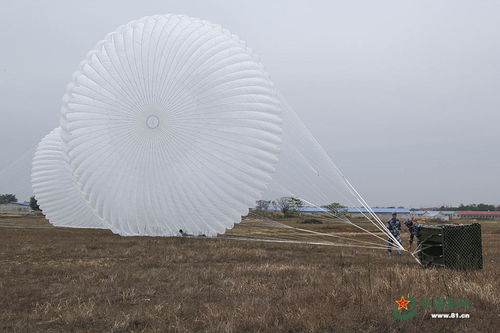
x=55, y=188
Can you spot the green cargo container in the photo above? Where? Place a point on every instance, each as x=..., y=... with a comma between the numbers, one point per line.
x=451, y=246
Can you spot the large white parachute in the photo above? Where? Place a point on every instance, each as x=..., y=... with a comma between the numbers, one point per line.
x=172, y=123
x=170, y=114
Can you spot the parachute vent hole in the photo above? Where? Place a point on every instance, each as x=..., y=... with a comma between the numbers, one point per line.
x=153, y=122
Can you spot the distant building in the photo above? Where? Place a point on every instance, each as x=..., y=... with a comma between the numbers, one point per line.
x=435, y=215
x=302, y=210
x=384, y=214
x=476, y=215
x=17, y=208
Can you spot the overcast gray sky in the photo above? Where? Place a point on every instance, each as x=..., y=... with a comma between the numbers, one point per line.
x=404, y=95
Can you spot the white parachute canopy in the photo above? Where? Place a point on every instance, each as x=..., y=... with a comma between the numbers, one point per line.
x=172, y=123
x=56, y=189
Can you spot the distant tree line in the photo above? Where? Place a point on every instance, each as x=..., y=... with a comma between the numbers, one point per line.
x=7, y=198
x=10, y=198
x=288, y=205
x=390, y=207
x=291, y=206
x=336, y=209
x=471, y=207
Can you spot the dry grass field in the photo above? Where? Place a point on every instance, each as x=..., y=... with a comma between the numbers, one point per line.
x=59, y=279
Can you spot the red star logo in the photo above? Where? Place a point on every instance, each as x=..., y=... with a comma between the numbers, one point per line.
x=402, y=303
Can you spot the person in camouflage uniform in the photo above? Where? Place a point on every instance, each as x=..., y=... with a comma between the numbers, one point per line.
x=394, y=226
x=413, y=228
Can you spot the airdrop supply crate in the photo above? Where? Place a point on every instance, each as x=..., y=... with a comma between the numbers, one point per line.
x=451, y=246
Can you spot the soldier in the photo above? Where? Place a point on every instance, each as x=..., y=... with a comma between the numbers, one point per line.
x=184, y=234
x=394, y=226
x=413, y=228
